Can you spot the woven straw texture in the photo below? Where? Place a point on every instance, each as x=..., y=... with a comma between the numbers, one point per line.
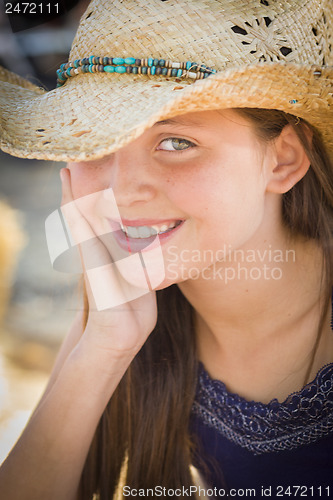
x=269, y=54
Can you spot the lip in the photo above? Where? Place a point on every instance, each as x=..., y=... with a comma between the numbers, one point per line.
x=132, y=245
x=146, y=222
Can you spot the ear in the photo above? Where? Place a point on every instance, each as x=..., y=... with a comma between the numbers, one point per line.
x=290, y=161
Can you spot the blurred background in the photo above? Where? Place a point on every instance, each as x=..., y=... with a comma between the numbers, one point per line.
x=37, y=304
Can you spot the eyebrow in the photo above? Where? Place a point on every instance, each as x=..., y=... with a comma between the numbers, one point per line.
x=177, y=121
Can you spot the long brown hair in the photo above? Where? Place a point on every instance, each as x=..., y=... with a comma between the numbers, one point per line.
x=147, y=418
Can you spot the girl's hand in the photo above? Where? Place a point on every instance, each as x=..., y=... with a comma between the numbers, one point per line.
x=88, y=369
x=120, y=330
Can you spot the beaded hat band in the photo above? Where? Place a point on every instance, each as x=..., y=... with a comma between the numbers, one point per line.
x=131, y=65
x=120, y=65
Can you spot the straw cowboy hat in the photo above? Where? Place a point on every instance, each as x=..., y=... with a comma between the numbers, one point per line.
x=136, y=62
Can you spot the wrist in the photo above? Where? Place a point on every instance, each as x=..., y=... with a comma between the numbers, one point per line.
x=99, y=367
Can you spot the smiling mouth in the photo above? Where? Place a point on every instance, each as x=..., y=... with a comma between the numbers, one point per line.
x=141, y=232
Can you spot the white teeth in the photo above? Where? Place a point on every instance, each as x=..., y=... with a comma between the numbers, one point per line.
x=132, y=231
x=147, y=231
x=144, y=231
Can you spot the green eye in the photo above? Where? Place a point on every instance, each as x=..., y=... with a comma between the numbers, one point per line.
x=175, y=144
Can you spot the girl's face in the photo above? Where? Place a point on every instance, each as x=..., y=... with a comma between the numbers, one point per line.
x=203, y=175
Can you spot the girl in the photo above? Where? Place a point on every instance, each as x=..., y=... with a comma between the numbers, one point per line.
x=203, y=213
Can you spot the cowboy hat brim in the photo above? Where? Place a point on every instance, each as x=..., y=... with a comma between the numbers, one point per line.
x=93, y=115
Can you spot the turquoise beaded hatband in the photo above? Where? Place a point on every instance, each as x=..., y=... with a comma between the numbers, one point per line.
x=148, y=66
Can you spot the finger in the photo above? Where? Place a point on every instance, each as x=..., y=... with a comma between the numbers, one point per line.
x=79, y=228
x=80, y=233
x=107, y=287
x=65, y=185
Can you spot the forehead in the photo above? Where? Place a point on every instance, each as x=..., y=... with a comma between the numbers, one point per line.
x=204, y=119
x=183, y=120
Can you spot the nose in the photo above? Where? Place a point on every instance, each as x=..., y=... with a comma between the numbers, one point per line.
x=131, y=178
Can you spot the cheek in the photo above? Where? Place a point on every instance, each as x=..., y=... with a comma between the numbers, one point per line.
x=238, y=215
x=203, y=190
x=189, y=189
x=226, y=205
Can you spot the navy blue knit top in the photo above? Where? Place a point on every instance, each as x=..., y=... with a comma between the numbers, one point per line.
x=246, y=444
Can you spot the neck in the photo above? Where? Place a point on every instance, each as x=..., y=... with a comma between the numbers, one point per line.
x=257, y=319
